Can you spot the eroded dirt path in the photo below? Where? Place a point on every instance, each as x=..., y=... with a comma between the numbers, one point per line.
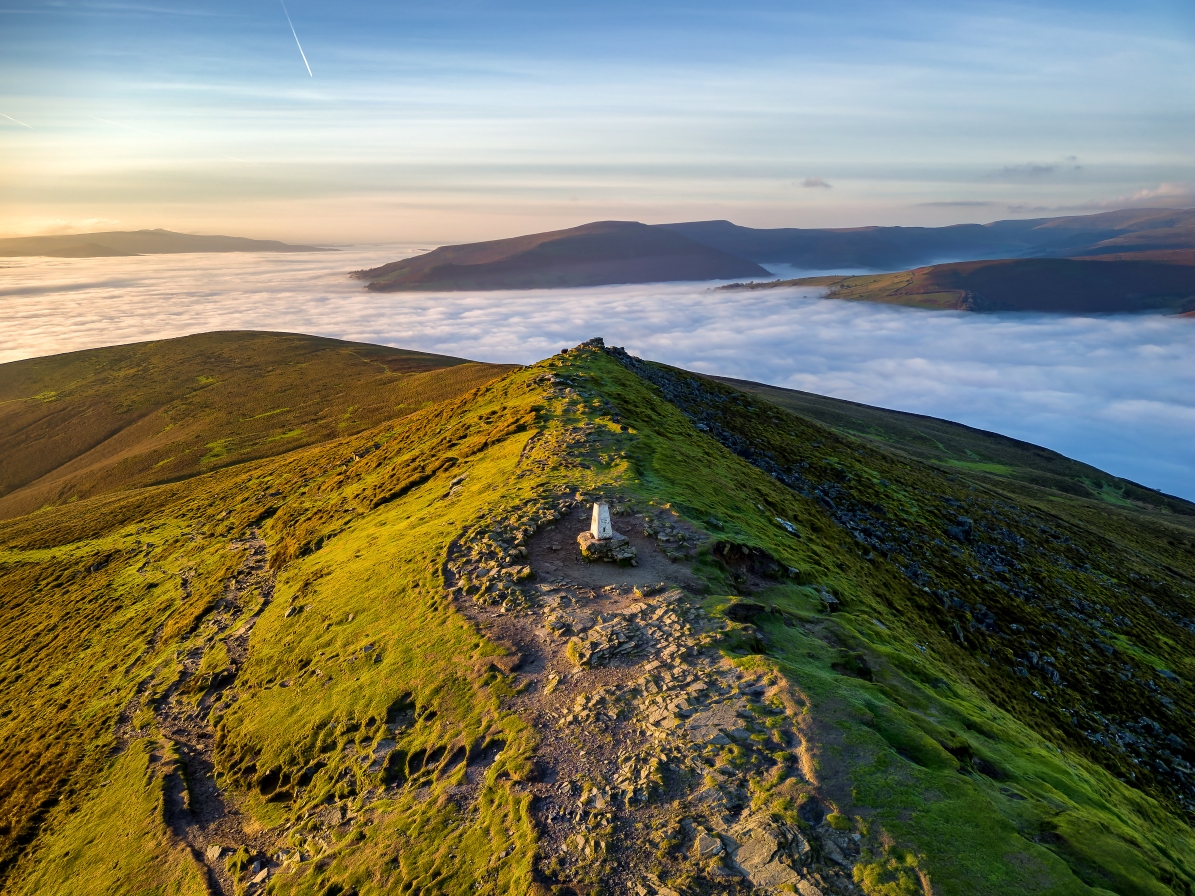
x=195, y=809
x=654, y=748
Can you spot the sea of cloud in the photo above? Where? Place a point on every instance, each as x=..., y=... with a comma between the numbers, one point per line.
x=1115, y=391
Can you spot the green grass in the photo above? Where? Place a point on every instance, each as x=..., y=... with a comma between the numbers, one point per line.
x=889, y=748
x=918, y=730
x=91, y=422
x=117, y=843
x=980, y=467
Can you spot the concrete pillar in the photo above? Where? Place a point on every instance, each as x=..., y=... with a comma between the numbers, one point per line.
x=600, y=527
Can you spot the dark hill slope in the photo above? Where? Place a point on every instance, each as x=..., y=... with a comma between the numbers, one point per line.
x=1075, y=286
x=987, y=458
x=137, y=242
x=592, y=255
x=378, y=665
x=893, y=248
x=92, y=421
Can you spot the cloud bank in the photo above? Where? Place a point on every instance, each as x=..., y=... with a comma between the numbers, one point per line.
x=1115, y=391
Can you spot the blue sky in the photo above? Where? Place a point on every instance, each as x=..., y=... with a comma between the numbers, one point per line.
x=467, y=119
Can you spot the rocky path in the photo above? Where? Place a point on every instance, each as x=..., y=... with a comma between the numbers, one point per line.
x=657, y=755
x=195, y=809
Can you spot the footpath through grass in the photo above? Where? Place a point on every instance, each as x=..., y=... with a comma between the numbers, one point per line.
x=920, y=728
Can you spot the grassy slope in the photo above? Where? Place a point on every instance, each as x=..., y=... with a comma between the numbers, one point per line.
x=106, y=614
x=963, y=778
x=983, y=457
x=945, y=692
x=1092, y=285
x=93, y=421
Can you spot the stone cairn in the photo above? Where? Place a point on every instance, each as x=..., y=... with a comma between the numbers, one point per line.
x=601, y=542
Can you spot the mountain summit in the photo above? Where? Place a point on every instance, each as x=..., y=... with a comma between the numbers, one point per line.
x=875, y=655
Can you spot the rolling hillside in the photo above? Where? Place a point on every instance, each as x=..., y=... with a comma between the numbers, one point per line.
x=987, y=458
x=89, y=422
x=592, y=255
x=1064, y=285
x=379, y=664
x=117, y=243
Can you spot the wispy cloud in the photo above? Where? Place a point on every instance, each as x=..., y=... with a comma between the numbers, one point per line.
x=960, y=203
x=1167, y=195
x=815, y=183
x=1037, y=171
x=1117, y=392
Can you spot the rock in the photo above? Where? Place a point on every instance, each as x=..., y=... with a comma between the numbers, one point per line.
x=833, y=853
x=806, y=888
x=707, y=847
x=213, y=852
x=788, y=527
x=759, y=857
x=261, y=876
x=616, y=549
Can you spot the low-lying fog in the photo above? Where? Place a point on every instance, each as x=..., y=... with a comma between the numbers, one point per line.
x=1117, y=392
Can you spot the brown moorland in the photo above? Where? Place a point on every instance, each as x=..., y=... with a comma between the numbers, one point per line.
x=1029, y=284
x=595, y=254
x=90, y=422
x=136, y=242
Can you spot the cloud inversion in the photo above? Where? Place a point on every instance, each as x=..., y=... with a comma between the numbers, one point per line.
x=1115, y=391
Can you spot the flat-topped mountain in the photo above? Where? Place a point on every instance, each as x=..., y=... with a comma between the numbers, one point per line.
x=890, y=248
x=862, y=653
x=1104, y=284
x=595, y=254
x=116, y=243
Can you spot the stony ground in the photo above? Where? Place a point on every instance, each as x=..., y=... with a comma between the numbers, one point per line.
x=234, y=851
x=653, y=747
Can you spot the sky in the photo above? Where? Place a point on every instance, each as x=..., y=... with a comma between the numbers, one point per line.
x=467, y=119
x=1117, y=391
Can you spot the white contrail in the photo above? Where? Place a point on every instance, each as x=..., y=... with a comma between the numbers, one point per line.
x=21, y=123
x=297, y=44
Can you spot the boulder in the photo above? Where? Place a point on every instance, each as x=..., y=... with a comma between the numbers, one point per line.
x=760, y=859
x=706, y=846
x=616, y=549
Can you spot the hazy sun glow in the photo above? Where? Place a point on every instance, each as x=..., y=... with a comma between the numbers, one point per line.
x=465, y=119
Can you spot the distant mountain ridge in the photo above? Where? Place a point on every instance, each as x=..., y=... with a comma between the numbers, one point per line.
x=892, y=248
x=611, y=252
x=597, y=254
x=117, y=243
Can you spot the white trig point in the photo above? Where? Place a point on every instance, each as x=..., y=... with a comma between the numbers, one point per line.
x=600, y=527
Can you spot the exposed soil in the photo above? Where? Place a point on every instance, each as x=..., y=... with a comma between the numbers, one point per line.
x=651, y=742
